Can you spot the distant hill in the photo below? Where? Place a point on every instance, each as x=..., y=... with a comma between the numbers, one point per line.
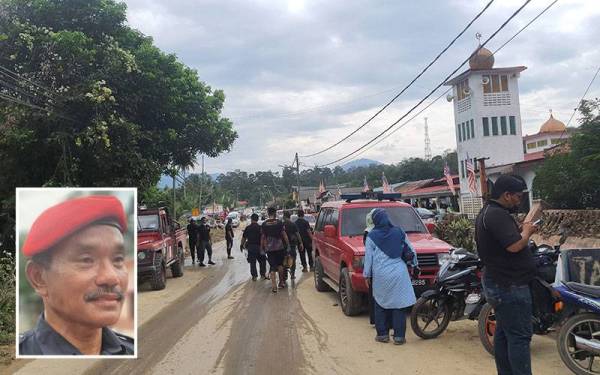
x=359, y=163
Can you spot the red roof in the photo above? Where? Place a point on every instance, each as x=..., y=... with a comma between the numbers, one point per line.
x=439, y=189
x=534, y=156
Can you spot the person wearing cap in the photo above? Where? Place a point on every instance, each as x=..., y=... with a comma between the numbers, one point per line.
x=76, y=264
x=508, y=270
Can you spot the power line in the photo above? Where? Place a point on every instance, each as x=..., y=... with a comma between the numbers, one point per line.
x=445, y=92
x=407, y=86
x=580, y=101
x=434, y=90
x=33, y=106
x=16, y=77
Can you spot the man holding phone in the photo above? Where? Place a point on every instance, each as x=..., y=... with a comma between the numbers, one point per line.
x=509, y=269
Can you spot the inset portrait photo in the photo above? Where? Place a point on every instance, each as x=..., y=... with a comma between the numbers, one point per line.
x=76, y=272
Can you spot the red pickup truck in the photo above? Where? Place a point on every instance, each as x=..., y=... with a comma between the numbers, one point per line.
x=161, y=245
x=339, y=248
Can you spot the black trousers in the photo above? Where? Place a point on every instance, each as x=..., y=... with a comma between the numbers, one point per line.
x=255, y=256
x=202, y=246
x=307, y=252
x=193, y=249
x=229, y=245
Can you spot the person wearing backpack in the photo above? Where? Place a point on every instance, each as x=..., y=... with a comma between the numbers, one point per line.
x=274, y=243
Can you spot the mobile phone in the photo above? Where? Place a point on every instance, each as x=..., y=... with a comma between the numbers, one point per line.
x=538, y=222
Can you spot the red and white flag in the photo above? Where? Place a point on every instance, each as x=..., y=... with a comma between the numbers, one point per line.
x=471, y=176
x=366, y=187
x=386, y=185
x=449, y=179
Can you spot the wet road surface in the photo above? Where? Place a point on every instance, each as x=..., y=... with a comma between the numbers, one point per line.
x=263, y=326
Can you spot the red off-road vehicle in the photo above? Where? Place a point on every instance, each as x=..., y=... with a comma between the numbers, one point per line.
x=161, y=245
x=339, y=249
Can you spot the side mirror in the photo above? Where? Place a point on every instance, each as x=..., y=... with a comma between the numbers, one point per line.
x=330, y=231
x=430, y=227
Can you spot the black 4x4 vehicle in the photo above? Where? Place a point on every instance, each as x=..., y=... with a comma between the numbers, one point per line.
x=339, y=249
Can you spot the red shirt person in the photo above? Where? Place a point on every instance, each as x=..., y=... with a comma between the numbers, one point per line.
x=76, y=265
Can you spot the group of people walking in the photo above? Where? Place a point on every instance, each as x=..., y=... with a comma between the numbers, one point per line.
x=278, y=243
x=200, y=241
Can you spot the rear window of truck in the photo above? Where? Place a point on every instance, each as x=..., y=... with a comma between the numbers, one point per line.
x=354, y=220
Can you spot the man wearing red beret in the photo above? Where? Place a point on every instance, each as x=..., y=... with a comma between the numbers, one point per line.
x=76, y=265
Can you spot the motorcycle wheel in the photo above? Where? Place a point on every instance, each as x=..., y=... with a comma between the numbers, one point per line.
x=574, y=356
x=486, y=324
x=426, y=313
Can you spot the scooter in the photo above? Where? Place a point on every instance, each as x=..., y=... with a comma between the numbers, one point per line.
x=457, y=295
x=579, y=335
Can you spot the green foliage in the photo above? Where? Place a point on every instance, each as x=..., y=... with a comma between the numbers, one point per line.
x=571, y=180
x=7, y=298
x=457, y=231
x=118, y=111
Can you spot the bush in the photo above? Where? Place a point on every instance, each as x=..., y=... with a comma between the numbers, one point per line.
x=457, y=231
x=7, y=298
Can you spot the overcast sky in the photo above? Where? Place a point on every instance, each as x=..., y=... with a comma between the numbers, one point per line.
x=299, y=74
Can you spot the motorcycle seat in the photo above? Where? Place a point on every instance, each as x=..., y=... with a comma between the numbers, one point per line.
x=590, y=290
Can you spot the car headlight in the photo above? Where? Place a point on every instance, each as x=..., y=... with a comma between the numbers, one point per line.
x=141, y=255
x=443, y=257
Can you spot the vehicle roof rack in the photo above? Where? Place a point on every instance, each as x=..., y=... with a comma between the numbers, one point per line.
x=371, y=195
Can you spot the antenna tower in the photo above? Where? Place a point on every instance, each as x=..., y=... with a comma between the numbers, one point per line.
x=427, y=142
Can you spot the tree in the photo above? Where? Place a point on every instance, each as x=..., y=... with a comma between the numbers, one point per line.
x=570, y=179
x=94, y=102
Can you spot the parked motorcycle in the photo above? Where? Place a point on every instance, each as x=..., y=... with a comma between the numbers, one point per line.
x=579, y=335
x=546, y=304
x=457, y=295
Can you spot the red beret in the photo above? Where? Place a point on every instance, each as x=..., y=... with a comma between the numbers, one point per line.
x=64, y=219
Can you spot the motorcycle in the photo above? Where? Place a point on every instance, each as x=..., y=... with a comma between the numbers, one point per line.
x=547, y=307
x=579, y=334
x=457, y=295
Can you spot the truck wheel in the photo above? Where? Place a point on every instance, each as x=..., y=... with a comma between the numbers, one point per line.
x=351, y=302
x=487, y=327
x=159, y=277
x=320, y=285
x=177, y=267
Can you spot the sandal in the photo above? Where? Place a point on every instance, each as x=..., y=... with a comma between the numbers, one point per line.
x=274, y=290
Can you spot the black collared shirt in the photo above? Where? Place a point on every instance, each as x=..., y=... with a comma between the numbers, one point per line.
x=44, y=340
x=495, y=231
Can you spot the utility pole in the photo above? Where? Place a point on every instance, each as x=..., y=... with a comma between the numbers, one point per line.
x=174, y=175
x=483, y=178
x=297, y=178
x=201, y=187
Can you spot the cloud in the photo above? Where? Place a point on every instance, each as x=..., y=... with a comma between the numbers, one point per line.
x=300, y=74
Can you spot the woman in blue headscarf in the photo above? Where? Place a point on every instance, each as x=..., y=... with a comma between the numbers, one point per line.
x=387, y=273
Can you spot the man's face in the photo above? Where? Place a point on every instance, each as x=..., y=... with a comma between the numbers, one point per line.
x=514, y=199
x=87, y=278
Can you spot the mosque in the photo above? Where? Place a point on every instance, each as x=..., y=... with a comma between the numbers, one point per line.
x=487, y=120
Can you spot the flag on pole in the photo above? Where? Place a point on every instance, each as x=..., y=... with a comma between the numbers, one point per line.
x=386, y=185
x=321, y=187
x=366, y=187
x=449, y=179
x=471, y=176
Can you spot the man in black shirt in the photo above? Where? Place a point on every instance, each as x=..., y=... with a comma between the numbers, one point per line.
x=229, y=237
x=295, y=242
x=509, y=268
x=306, y=235
x=251, y=242
x=204, y=242
x=192, y=229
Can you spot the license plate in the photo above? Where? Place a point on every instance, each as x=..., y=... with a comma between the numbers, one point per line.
x=418, y=282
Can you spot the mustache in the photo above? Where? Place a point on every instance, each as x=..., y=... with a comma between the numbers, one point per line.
x=104, y=291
